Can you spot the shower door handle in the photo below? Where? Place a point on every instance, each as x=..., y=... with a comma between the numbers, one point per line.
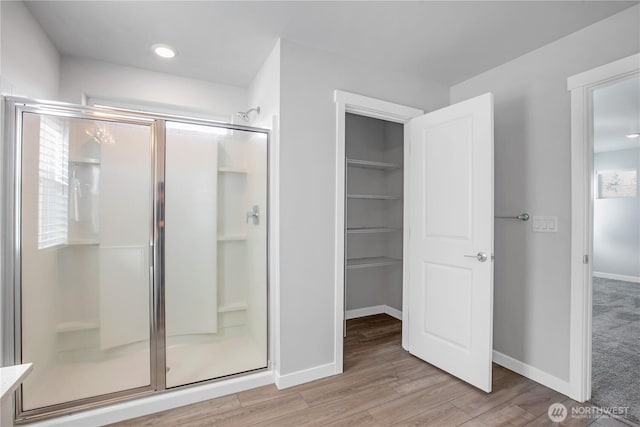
x=255, y=214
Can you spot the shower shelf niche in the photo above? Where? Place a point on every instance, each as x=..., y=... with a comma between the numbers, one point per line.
x=236, y=306
x=231, y=170
x=75, y=326
x=85, y=161
x=232, y=237
x=83, y=242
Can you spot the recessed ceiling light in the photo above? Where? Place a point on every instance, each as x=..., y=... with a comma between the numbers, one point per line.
x=633, y=135
x=164, y=51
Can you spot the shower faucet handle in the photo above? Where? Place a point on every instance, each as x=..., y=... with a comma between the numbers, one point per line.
x=255, y=214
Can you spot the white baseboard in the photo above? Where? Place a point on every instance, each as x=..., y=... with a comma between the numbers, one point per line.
x=160, y=402
x=393, y=312
x=634, y=279
x=370, y=311
x=304, y=376
x=535, y=374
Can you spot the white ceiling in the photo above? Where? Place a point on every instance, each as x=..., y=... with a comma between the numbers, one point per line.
x=616, y=113
x=226, y=42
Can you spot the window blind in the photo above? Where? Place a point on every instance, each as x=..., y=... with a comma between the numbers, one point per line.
x=53, y=187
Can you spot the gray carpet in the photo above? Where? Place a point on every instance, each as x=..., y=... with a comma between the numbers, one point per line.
x=616, y=345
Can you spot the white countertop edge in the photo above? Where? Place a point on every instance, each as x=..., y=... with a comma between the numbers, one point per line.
x=11, y=377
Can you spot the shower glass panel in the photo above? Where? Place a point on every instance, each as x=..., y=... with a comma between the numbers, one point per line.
x=85, y=279
x=215, y=233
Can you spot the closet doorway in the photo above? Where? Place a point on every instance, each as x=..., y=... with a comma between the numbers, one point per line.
x=414, y=215
x=374, y=177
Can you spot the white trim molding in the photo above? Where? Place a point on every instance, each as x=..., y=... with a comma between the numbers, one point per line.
x=376, y=108
x=273, y=276
x=159, y=402
x=612, y=71
x=581, y=87
x=304, y=376
x=370, y=311
x=347, y=102
x=621, y=277
x=535, y=374
x=154, y=107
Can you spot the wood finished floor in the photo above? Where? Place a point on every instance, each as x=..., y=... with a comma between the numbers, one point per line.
x=381, y=385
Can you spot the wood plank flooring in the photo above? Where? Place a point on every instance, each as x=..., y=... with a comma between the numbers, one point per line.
x=382, y=385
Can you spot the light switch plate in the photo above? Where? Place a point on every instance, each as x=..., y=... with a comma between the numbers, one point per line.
x=545, y=224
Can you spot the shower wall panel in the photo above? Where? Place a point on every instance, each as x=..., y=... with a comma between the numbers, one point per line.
x=190, y=231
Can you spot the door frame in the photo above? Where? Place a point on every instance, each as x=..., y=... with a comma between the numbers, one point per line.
x=581, y=87
x=347, y=102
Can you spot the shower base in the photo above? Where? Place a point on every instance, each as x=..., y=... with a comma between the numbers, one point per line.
x=187, y=363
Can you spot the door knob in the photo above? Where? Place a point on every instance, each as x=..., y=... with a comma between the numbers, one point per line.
x=480, y=256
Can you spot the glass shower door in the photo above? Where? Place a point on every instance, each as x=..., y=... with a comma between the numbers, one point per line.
x=141, y=254
x=215, y=230
x=85, y=281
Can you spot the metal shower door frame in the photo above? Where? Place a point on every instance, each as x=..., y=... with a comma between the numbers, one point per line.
x=14, y=107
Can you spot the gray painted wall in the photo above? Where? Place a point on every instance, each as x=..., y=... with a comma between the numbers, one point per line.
x=30, y=62
x=264, y=91
x=81, y=77
x=616, y=221
x=307, y=188
x=532, y=174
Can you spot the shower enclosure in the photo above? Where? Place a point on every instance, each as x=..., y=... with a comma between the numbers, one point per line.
x=137, y=247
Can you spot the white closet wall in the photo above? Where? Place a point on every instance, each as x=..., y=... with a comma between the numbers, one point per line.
x=374, y=155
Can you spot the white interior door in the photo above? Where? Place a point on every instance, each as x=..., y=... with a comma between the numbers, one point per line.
x=451, y=239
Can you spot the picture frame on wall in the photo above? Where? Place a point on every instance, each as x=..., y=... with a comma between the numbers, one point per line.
x=617, y=183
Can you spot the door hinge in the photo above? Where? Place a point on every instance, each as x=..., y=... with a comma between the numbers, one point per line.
x=585, y=259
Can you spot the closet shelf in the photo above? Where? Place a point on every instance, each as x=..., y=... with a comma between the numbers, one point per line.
x=236, y=306
x=75, y=326
x=357, y=163
x=372, y=197
x=355, y=263
x=232, y=237
x=369, y=230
